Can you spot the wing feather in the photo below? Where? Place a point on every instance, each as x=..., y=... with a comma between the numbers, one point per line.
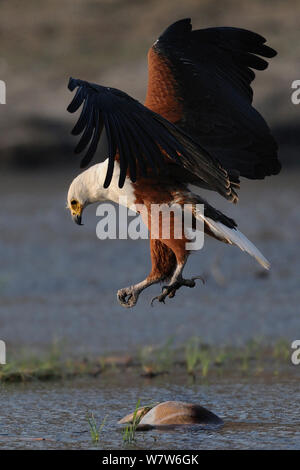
x=139, y=138
x=201, y=81
x=95, y=139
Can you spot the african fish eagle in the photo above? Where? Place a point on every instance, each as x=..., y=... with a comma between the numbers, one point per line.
x=197, y=129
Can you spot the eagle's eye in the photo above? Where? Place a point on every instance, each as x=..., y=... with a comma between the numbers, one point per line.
x=73, y=202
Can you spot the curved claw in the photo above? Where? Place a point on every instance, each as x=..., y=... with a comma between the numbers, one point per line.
x=160, y=298
x=167, y=291
x=199, y=277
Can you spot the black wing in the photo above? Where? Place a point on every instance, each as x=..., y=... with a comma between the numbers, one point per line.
x=209, y=77
x=138, y=137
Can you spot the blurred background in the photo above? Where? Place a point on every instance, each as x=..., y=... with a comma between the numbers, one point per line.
x=58, y=281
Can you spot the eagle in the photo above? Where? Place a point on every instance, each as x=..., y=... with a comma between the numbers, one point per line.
x=196, y=131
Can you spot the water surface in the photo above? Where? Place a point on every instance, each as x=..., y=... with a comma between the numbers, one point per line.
x=262, y=414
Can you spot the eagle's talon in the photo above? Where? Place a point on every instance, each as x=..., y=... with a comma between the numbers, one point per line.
x=199, y=277
x=127, y=297
x=170, y=290
x=160, y=298
x=172, y=294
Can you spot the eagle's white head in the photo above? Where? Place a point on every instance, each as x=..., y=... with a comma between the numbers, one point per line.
x=87, y=188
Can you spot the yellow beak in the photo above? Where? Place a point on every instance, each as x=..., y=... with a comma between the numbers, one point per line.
x=77, y=214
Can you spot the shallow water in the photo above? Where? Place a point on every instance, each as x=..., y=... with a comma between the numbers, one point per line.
x=262, y=414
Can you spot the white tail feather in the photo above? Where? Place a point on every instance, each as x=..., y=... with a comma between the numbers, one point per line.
x=235, y=237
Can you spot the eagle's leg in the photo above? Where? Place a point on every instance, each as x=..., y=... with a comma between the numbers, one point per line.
x=177, y=279
x=163, y=265
x=176, y=282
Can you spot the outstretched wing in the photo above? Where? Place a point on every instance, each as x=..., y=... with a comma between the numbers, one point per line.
x=200, y=80
x=140, y=139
